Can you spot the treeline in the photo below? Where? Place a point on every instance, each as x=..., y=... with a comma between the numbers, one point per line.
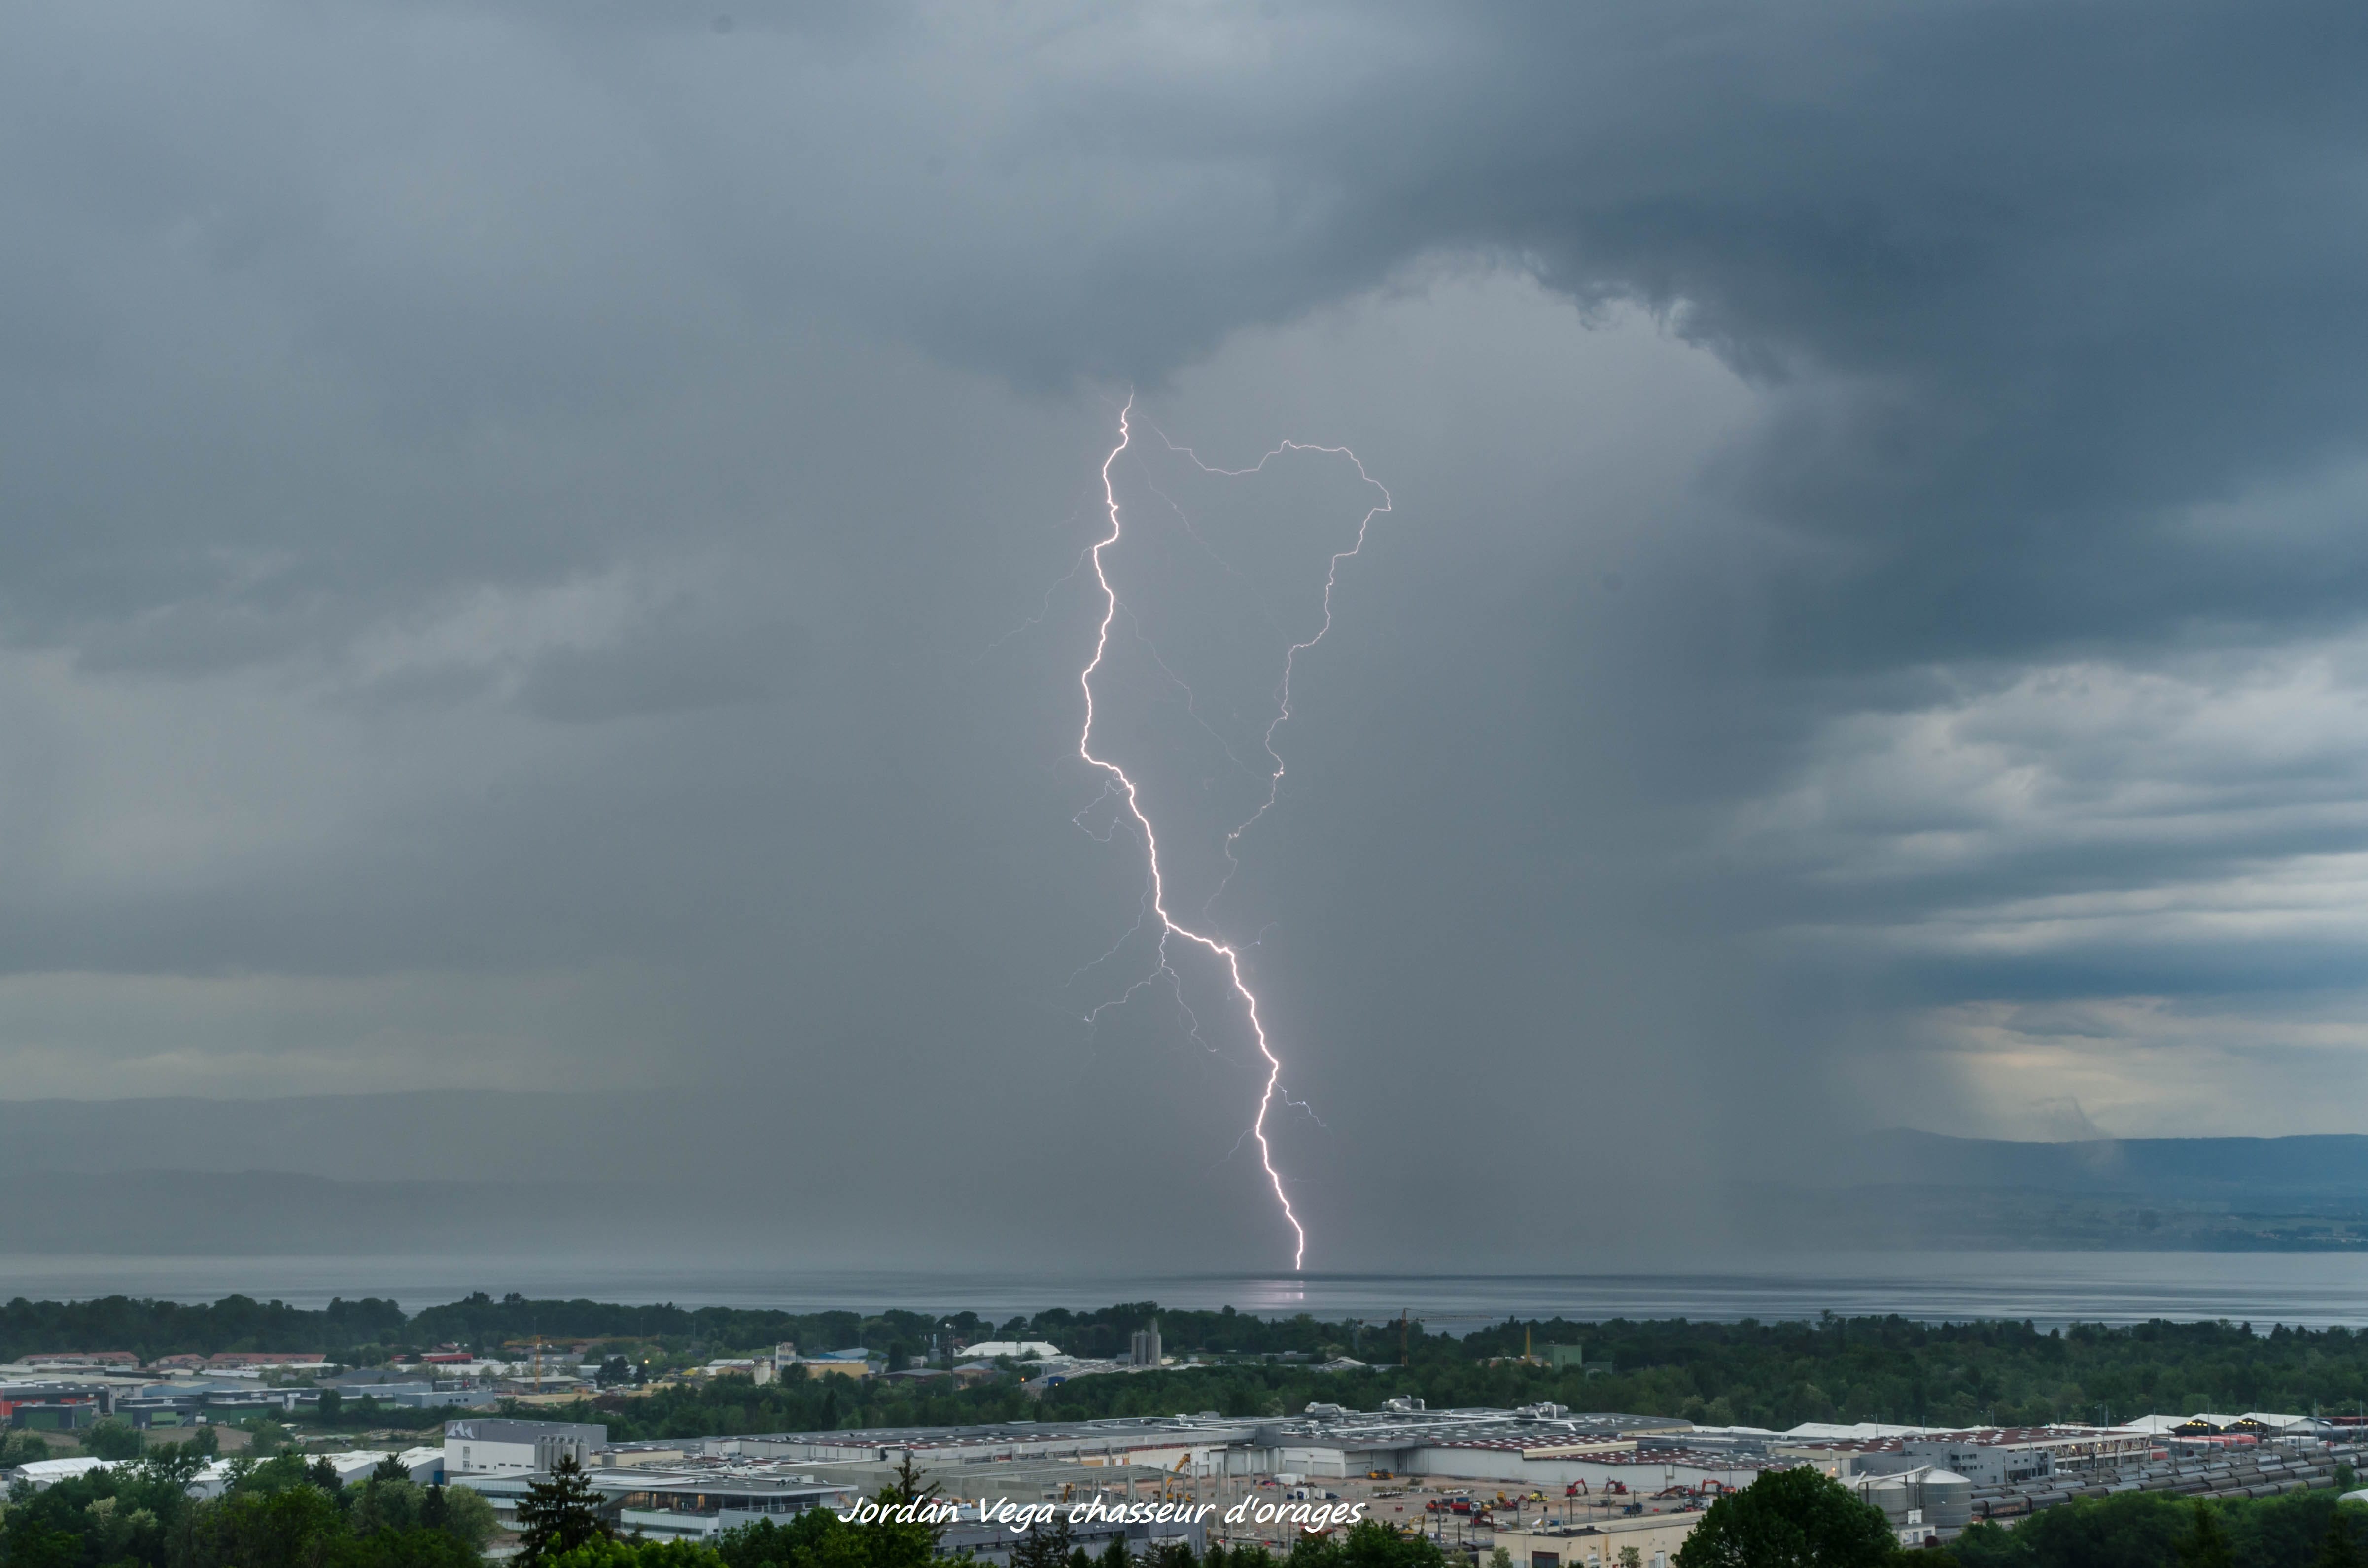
x=1890, y=1368
x=279, y=1510
x=2148, y=1529
x=363, y=1331
x=1766, y=1374
x=1777, y=1375
x=1105, y=1333
x=151, y=1329
x=736, y=1407
x=1101, y=1333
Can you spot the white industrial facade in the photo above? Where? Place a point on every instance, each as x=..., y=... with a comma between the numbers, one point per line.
x=518, y=1447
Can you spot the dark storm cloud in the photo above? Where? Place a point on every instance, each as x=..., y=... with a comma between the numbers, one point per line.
x=2035, y=278
x=557, y=494
x=2032, y=279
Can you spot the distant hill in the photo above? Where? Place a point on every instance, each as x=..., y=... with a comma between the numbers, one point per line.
x=2325, y=1168
x=1911, y=1189
x=420, y=1136
x=508, y=1170
x=494, y=1172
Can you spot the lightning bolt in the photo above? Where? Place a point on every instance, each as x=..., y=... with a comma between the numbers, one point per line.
x=1289, y=659
x=1118, y=780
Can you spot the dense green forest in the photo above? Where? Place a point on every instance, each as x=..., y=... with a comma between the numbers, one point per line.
x=151, y=1329
x=2149, y=1529
x=279, y=1510
x=363, y=1332
x=1757, y=1373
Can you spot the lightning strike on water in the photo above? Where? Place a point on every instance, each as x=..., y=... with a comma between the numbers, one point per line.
x=1123, y=786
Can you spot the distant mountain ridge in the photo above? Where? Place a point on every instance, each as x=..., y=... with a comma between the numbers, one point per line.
x=496, y=1171
x=2319, y=1166
x=419, y=1135
x=500, y=1170
x=1906, y=1188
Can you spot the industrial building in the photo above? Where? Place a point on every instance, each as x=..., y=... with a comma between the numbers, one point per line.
x=694, y=1500
x=518, y=1447
x=423, y=1393
x=103, y=1359
x=54, y=1406
x=424, y=1467
x=2006, y=1455
x=1988, y=1456
x=694, y=1504
x=1542, y=1445
x=1655, y=1538
x=987, y=1542
x=1925, y=1505
x=855, y=1363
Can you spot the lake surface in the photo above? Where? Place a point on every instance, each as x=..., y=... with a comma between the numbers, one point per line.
x=2315, y=1288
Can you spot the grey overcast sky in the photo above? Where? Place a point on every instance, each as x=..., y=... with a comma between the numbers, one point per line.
x=538, y=550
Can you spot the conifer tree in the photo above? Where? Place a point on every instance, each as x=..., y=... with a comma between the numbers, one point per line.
x=561, y=1514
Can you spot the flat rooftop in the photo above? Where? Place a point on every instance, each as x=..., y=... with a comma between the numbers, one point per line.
x=1534, y=1428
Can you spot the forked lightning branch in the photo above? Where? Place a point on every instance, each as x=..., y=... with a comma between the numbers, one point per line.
x=1225, y=955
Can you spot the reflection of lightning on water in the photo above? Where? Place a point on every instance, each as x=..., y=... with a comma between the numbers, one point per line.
x=1122, y=788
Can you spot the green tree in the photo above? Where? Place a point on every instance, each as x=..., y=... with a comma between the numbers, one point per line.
x=468, y=1517
x=47, y=1549
x=113, y=1438
x=119, y=1515
x=175, y=1464
x=386, y=1506
x=21, y=1448
x=292, y=1527
x=1367, y=1544
x=1042, y=1547
x=401, y=1549
x=333, y=1405
x=558, y=1514
x=269, y=1437
x=2206, y=1545
x=908, y=1488
x=2339, y=1548
x=1790, y=1519
x=819, y=1538
x=638, y=1555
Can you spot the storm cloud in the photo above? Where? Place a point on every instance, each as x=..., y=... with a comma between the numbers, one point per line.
x=538, y=544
